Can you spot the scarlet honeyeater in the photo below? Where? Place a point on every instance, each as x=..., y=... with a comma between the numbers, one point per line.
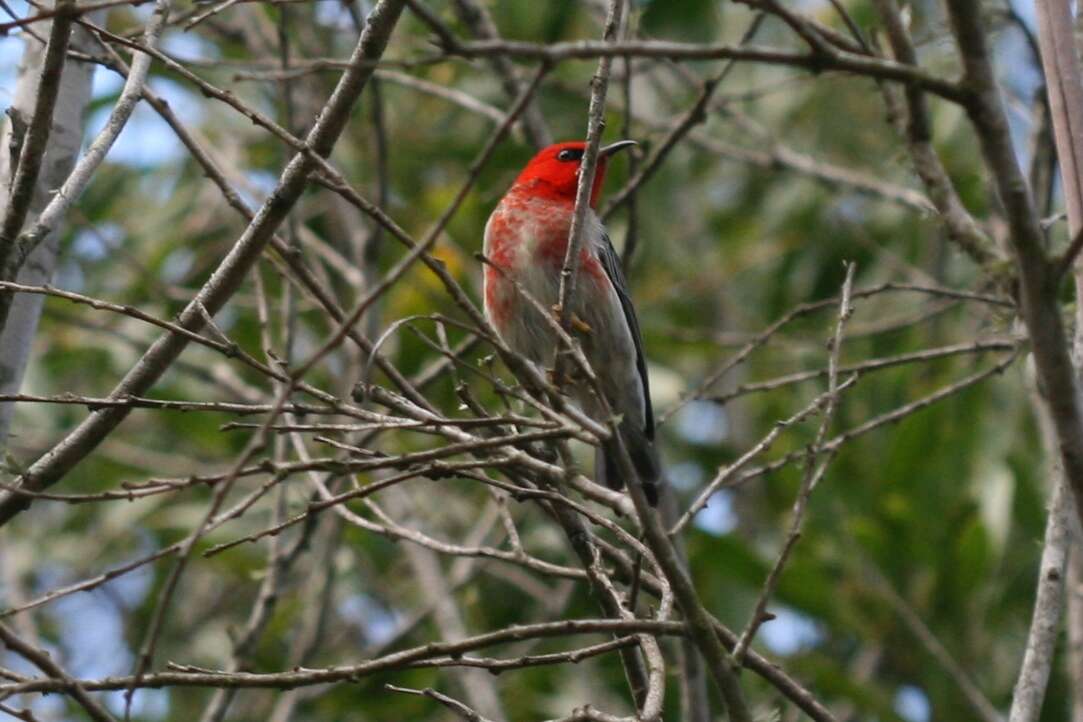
x=526, y=239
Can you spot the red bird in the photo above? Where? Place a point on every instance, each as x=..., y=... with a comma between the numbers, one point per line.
x=526, y=239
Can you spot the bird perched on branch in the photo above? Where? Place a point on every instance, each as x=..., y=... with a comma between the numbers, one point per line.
x=526, y=239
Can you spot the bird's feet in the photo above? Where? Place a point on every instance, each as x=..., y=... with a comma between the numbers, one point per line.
x=581, y=326
x=564, y=374
x=577, y=323
x=557, y=377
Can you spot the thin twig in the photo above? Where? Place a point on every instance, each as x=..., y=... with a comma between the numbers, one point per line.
x=813, y=472
x=679, y=129
x=450, y=702
x=728, y=472
x=41, y=659
x=961, y=227
x=599, y=84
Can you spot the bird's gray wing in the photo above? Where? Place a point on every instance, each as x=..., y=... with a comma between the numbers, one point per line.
x=611, y=263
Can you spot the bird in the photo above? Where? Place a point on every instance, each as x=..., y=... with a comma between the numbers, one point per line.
x=525, y=241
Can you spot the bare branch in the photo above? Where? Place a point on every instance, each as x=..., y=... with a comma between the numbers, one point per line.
x=79, y=178
x=595, y=125
x=453, y=704
x=1048, y=606
x=817, y=61
x=188, y=676
x=813, y=472
x=961, y=227
x=224, y=283
x=32, y=152
x=41, y=659
x=477, y=18
x=1037, y=275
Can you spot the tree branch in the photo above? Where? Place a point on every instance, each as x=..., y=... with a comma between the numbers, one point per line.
x=1048, y=606
x=34, y=146
x=51, y=467
x=1037, y=275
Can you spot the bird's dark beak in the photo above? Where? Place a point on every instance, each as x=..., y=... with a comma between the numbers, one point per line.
x=615, y=147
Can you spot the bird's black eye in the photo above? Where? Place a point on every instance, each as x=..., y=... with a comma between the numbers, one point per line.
x=570, y=154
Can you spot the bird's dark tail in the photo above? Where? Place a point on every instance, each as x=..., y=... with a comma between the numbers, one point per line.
x=644, y=458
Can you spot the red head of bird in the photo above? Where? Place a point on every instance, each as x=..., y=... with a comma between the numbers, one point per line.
x=554, y=172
